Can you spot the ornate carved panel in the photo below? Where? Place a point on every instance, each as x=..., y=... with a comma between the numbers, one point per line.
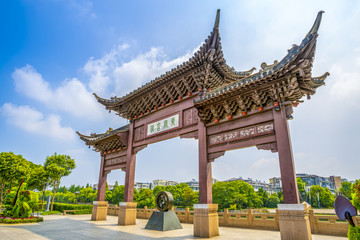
x=242, y=134
x=114, y=161
x=139, y=133
x=190, y=116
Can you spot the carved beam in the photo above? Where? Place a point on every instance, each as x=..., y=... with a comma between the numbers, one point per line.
x=190, y=135
x=137, y=149
x=213, y=156
x=268, y=146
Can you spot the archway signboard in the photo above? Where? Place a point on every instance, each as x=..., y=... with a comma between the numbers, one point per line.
x=224, y=109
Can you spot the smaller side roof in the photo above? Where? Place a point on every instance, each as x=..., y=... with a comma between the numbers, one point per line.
x=111, y=140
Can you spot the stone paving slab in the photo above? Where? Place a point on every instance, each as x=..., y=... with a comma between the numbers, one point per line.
x=79, y=227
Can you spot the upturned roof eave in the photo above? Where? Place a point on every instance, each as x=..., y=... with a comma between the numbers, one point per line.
x=91, y=140
x=285, y=62
x=212, y=42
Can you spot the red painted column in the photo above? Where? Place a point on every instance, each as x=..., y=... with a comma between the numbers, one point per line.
x=205, y=175
x=286, y=161
x=102, y=181
x=130, y=168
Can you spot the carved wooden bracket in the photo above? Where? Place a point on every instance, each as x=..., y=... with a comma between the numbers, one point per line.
x=137, y=149
x=268, y=146
x=213, y=156
x=289, y=110
x=190, y=135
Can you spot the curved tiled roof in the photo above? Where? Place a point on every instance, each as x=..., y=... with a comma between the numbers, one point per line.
x=97, y=137
x=210, y=48
x=291, y=56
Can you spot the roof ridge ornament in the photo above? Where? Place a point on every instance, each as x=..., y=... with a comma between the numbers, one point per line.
x=265, y=67
x=217, y=20
x=316, y=24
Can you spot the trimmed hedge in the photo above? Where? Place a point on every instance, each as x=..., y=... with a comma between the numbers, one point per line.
x=50, y=213
x=64, y=206
x=354, y=233
x=79, y=212
x=8, y=220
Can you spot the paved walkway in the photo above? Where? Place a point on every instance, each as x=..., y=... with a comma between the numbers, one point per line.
x=79, y=227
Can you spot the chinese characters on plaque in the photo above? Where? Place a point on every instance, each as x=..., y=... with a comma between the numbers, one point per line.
x=163, y=125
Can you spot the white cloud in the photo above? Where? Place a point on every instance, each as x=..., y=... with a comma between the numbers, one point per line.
x=29, y=82
x=99, y=69
x=32, y=121
x=72, y=96
x=265, y=163
x=346, y=86
x=109, y=75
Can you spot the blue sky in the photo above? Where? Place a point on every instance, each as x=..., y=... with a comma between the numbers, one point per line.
x=56, y=53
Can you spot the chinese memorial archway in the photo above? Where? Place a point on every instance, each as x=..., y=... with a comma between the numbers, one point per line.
x=206, y=99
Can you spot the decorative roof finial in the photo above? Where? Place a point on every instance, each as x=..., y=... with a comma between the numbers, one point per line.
x=217, y=20
x=316, y=25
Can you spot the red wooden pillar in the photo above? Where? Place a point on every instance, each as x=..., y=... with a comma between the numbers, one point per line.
x=205, y=176
x=102, y=181
x=130, y=168
x=286, y=161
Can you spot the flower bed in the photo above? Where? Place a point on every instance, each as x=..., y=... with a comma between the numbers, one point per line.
x=9, y=220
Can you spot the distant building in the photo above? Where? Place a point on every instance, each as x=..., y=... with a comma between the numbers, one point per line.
x=193, y=184
x=139, y=185
x=333, y=183
x=257, y=184
x=110, y=187
x=165, y=183
x=275, y=182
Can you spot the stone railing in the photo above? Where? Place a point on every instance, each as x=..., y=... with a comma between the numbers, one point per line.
x=257, y=219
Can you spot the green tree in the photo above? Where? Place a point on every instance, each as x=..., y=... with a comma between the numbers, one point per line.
x=108, y=196
x=301, y=186
x=263, y=195
x=188, y=197
x=145, y=197
x=12, y=169
x=118, y=194
x=356, y=194
x=272, y=201
x=346, y=189
x=158, y=189
x=58, y=166
x=87, y=195
x=321, y=197
x=62, y=189
x=281, y=196
x=240, y=193
x=39, y=180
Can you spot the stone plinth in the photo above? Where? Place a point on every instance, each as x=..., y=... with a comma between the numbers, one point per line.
x=163, y=221
x=206, y=221
x=99, y=211
x=127, y=213
x=294, y=222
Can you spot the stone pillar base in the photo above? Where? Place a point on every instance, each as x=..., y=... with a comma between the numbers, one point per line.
x=127, y=213
x=99, y=211
x=206, y=222
x=294, y=222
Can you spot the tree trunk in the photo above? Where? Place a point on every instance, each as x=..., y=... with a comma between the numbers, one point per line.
x=52, y=200
x=42, y=203
x=2, y=194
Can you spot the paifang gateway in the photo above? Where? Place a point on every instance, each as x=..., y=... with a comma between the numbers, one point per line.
x=206, y=99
